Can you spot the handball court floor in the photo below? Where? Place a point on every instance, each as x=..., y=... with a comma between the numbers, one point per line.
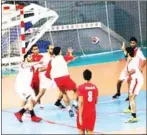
x=110, y=119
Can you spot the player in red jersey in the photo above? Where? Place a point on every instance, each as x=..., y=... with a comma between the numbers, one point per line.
x=88, y=95
x=35, y=57
x=69, y=57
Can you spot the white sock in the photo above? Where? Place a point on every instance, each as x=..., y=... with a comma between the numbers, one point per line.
x=75, y=103
x=68, y=108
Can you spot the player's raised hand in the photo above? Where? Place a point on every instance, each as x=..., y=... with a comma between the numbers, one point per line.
x=123, y=46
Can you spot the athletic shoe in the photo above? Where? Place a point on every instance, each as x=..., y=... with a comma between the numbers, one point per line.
x=132, y=120
x=41, y=106
x=36, y=119
x=116, y=95
x=58, y=104
x=127, y=111
x=127, y=99
x=18, y=115
x=75, y=107
x=71, y=113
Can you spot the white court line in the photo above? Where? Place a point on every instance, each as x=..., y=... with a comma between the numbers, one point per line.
x=112, y=100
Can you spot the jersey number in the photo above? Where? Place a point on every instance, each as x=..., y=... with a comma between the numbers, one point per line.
x=90, y=96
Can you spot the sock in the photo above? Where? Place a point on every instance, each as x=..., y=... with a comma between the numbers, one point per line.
x=129, y=107
x=22, y=111
x=32, y=113
x=68, y=108
x=118, y=87
x=58, y=101
x=75, y=103
x=134, y=115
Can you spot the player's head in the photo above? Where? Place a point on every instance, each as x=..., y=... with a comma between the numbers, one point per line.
x=130, y=51
x=50, y=49
x=57, y=51
x=133, y=42
x=87, y=74
x=35, y=49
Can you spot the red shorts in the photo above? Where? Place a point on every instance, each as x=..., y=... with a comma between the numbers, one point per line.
x=65, y=83
x=88, y=122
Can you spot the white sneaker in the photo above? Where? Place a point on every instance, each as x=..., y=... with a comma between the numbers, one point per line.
x=41, y=106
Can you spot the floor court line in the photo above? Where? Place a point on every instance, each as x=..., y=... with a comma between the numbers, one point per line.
x=71, y=126
x=57, y=123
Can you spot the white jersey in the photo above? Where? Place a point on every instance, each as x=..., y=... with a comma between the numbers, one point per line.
x=136, y=81
x=46, y=83
x=24, y=77
x=46, y=59
x=133, y=65
x=59, y=67
x=139, y=54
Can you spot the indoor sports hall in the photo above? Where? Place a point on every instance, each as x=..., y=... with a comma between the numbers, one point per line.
x=95, y=30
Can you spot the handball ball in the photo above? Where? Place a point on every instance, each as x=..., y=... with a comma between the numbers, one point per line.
x=95, y=40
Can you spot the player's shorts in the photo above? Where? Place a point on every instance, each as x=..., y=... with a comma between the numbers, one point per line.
x=25, y=91
x=65, y=83
x=135, y=86
x=46, y=83
x=123, y=76
x=88, y=122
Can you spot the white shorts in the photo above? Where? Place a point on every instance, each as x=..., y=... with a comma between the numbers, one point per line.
x=23, y=87
x=135, y=86
x=123, y=76
x=46, y=83
x=26, y=96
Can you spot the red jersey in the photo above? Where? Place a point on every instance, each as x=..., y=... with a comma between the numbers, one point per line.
x=36, y=58
x=90, y=94
x=35, y=79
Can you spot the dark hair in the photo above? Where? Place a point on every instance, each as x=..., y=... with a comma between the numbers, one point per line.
x=87, y=74
x=130, y=50
x=56, y=50
x=34, y=46
x=49, y=46
x=133, y=39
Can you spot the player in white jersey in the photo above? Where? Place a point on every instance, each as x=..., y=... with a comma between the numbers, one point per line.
x=46, y=83
x=142, y=61
x=24, y=89
x=135, y=81
x=57, y=69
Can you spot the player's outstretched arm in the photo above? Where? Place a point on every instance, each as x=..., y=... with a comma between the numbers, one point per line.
x=30, y=64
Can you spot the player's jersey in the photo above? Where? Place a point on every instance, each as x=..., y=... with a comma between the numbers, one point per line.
x=24, y=77
x=138, y=54
x=46, y=59
x=58, y=67
x=90, y=94
x=36, y=58
x=133, y=64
